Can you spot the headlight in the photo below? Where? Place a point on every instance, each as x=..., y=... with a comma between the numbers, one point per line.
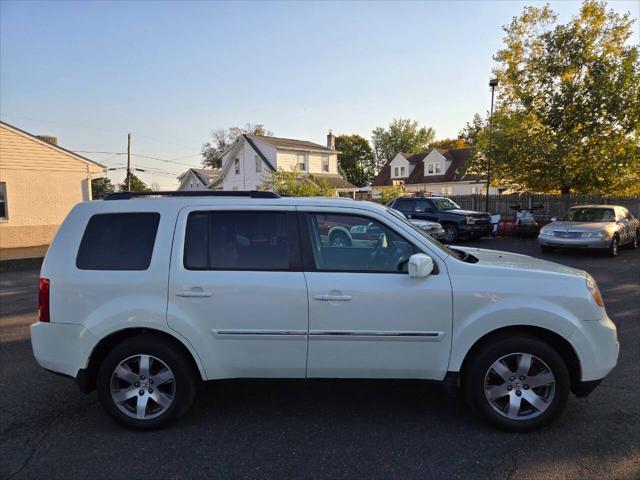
x=545, y=233
x=601, y=234
x=595, y=291
x=470, y=220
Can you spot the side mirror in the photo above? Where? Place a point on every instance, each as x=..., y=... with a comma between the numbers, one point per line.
x=554, y=219
x=420, y=265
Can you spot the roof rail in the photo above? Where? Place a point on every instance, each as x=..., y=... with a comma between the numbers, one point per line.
x=192, y=193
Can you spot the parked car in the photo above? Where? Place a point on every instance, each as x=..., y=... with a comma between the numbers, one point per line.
x=433, y=229
x=143, y=298
x=604, y=227
x=455, y=221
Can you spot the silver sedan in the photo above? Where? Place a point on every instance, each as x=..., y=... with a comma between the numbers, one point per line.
x=591, y=226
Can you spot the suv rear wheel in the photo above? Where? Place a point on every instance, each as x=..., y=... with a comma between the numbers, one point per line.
x=144, y=383
x=517, y=383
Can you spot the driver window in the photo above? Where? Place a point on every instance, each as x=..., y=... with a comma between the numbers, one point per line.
x=423, y=206
x=355, y=243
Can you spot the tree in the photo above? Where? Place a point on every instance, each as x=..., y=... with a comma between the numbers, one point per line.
x=449, y=143
x=568, y=115
x=355, y=160
x=292, y=184
x=389, y=193
x=223, y=139
x=137, y=185
x=101, y=187
x=403, y=135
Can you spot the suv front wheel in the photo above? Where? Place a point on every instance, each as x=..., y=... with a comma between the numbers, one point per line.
x=450, y=232
x=145, y=383
x=517, y=383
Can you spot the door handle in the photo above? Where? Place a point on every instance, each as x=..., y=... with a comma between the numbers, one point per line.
x=333, y=298
x=192, y=293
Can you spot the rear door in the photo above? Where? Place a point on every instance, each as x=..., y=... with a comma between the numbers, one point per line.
x=237, y=291
x=406, y=206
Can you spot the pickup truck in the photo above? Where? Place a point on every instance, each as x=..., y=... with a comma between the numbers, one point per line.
x=455, y=221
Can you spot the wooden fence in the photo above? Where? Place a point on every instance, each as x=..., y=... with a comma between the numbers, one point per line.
x=553, y=205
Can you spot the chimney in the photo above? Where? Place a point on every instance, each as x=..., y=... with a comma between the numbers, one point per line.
x=331, y=140
x=48, y=138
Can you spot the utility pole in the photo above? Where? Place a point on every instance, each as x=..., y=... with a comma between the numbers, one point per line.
x=129, y=162
x=493, y=83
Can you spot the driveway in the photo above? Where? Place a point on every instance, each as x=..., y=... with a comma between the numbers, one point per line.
x=328, y=429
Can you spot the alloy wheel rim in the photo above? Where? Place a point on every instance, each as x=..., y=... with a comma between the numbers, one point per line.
x=142, y=387
x=519, y=386
x=449, y=234
x=339, y=241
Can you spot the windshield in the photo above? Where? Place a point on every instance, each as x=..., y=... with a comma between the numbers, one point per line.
x=455, y=253
x=445, y=204
x=589, y=215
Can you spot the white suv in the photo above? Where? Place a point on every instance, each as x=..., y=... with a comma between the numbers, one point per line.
x=142, y=298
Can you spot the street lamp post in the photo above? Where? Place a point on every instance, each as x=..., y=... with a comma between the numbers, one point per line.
x=493, y=83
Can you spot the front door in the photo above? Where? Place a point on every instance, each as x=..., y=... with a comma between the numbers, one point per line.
x=367, y=317
x=237, y=292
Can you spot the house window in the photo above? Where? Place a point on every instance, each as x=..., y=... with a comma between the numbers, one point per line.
x=4, y=212
x=395, y=172
x=430, y=168
x=402, y=171
x=325, y=163
x=258, y=164
x=302, y=162
x=237, y=166
x=438, y=168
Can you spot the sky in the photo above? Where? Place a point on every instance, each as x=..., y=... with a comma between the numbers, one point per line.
x=170, y=72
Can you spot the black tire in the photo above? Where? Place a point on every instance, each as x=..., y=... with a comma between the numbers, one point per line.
x=339, y=238
x=450, y=232
x=473, y=380
x=546, y=249
x=636, y=239
x=185, y=384
x=614, y=247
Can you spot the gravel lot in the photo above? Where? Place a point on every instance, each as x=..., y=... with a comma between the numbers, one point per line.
x=303, y=429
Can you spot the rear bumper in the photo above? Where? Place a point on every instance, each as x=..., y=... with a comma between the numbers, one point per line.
x=61, y=347
x=598, y=243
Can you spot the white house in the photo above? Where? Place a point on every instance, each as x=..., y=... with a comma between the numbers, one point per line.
x=197, y=178
x=247, y=162
x=439, y=172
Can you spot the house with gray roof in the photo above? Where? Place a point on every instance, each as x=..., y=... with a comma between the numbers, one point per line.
x=438, y=172
x=251, y=158
x=197, y=178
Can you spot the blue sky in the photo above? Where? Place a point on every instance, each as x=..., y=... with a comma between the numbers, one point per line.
x=89, y=72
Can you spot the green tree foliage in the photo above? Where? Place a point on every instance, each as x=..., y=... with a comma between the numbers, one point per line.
x=137, y=185
x=389, y=193
x=568, y=114
x=449, y=144
x=223, y=138
x=292, y=184
x=101, y=187
x=355, y=160
x=403, y=135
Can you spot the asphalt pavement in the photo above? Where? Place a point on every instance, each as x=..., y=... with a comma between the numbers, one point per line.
x=321, y=428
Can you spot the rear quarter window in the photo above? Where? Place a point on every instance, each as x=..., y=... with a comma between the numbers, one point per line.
x=118, y=241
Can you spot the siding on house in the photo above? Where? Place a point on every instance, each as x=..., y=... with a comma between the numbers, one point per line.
x=43, y=182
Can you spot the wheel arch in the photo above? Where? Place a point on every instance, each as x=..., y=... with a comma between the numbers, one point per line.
x=556, y=341
x=87, y=377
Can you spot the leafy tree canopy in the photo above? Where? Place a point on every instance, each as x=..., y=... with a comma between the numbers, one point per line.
x=449, y=143
x=389, y=193
x=355, y=160
x=568, y=109
x=101, y=187
x=292, y=184
x=137, y=185
x=402, y=135
x=223, y=138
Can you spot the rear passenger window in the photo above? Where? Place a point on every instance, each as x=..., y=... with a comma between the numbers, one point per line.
x=237, y=241
x=118, y=241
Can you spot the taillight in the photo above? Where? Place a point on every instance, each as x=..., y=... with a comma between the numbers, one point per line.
x=43, y=300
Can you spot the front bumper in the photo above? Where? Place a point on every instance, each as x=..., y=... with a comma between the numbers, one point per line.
x=598, y=243
x=596, y=343
x=475, y=230
x=62, y=347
